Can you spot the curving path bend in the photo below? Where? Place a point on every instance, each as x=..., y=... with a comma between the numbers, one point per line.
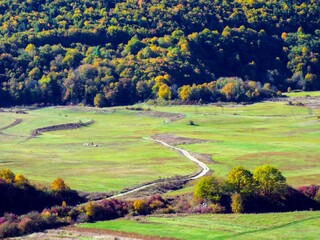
x=203, y=166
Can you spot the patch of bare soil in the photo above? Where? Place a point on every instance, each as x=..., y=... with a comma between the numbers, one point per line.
x=206, y=158
x=170, y=117
x=121, y=235
x=174, y=140
x=87, y=109
x=15, y=123
x=73, y=233
x=308, y=101
x=58, y=127
x=16, y=111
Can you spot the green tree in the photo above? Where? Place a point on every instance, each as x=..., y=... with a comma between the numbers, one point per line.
x=99, y=100
x=269, y=180
x=241, y=180
x=210, y=188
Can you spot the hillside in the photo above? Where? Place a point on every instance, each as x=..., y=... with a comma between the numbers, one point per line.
x=117, y=52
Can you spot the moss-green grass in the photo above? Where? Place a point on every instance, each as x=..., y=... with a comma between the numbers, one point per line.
x=294, y=225
x=124, y=158
x=251, y=135
x=303, y=94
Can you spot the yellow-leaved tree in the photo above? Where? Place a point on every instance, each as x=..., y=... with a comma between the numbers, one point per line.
x=164, y=92
x=59, y=185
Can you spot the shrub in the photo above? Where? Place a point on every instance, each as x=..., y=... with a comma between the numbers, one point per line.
x=217, y=208
x=141, y=206
x=191, y=123
x=309, y=191
x=156, y=202
x=182, y=204
x=202, y=208
x=9, y=230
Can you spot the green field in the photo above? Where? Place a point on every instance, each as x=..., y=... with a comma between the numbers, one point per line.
x=287, y=137
x=294, y=225
x=303, y=94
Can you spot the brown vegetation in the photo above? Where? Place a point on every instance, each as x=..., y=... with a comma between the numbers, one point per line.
x=59, y=127
x=174, y=140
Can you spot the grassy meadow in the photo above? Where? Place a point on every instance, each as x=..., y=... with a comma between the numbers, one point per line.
x=303, y=94
x=292, y=225
x=248, y=135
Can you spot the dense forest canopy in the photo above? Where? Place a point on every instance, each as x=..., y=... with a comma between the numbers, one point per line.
x=116, y=52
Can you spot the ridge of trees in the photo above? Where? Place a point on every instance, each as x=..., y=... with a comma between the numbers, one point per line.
x=107, y=53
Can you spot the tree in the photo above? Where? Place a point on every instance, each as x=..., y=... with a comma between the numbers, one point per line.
x=240, y=180
x=99, y=100
x=164, y=92
x=210, y=188
x=90, y=209
x=236, y=203
x=7, y=175
x=133, y=46
x=270, y=180
x=20, y=180
x=184, y=92
x=59, y=185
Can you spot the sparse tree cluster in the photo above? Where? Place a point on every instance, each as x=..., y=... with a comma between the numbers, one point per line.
x=264, y=190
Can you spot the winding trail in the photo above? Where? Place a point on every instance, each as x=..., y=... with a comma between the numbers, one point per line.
x=204, y=168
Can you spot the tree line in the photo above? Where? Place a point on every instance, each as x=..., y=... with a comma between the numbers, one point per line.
x=107, y=53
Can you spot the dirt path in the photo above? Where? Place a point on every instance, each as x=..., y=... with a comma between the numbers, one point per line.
x=15, y=123
x=75, y=233
x=204, y=168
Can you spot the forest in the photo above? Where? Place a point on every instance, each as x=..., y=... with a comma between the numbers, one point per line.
x=116, y=52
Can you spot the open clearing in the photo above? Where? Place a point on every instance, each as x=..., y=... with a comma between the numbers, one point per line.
x=294, y=225
x=287, y=137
